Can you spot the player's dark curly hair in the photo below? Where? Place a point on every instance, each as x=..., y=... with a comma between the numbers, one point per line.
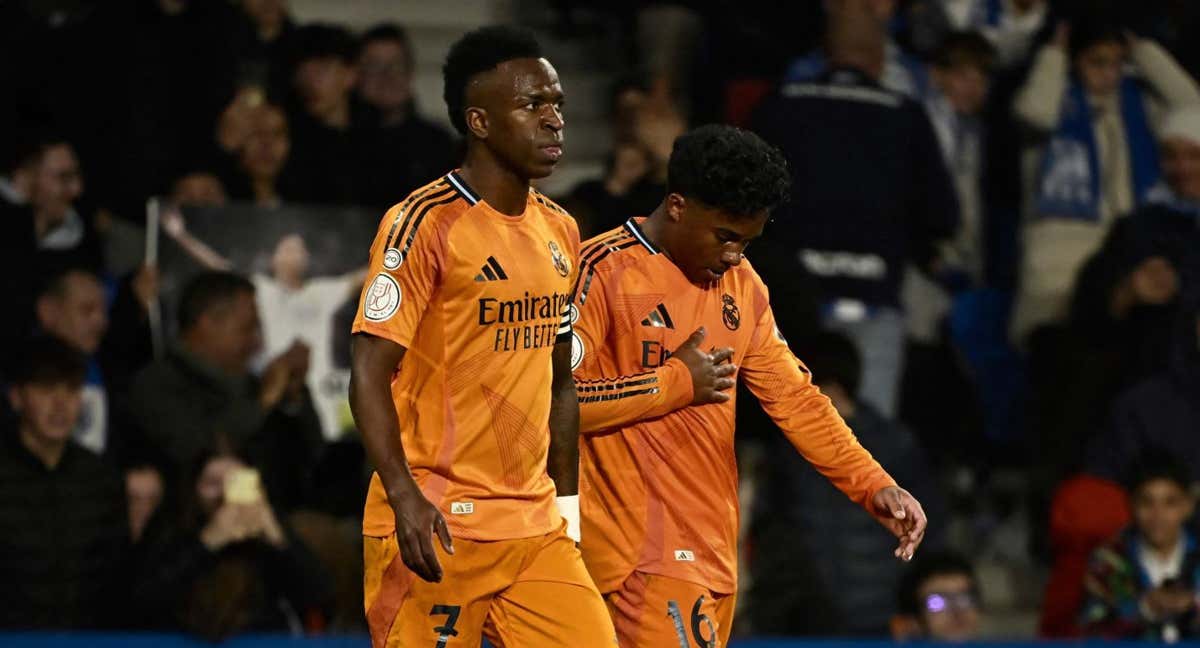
x=730, y=169
x=477, y=52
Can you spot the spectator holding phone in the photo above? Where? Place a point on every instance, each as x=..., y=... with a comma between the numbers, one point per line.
x=228, y=564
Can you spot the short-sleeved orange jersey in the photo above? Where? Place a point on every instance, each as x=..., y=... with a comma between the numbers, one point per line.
x=658, y=478
x=478, y=298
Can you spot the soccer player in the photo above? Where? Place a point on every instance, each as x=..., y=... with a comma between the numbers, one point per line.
x=461, y=381
x=659, y=477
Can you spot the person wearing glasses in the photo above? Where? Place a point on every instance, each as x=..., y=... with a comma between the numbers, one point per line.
x=938, y=601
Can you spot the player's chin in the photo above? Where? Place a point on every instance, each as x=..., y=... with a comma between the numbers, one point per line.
x=541, y=168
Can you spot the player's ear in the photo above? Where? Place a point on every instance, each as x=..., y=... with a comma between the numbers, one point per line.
x=477, y=122
x=676, y=205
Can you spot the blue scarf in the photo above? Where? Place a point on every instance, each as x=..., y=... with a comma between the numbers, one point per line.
x=1069, y=184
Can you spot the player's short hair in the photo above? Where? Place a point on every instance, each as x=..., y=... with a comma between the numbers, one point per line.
x=322, y=40
x=729, y=169
x=925, y=567
x=832, y=358
x=389, y=32
x=206, y=291
x=475, y=53
x=965, y=48
x=1156, y=464
x=46, y=360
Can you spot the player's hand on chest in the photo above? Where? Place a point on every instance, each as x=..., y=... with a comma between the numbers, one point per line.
x=670, y=324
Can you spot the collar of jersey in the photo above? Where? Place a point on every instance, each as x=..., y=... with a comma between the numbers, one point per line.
x=634, y=227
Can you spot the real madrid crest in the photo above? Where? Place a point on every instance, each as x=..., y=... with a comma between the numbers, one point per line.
x=560, y=259
x=729, y=312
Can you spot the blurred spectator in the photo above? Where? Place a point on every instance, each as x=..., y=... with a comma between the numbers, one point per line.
x=202, y=397
x=297, y=309
x=261, y=150
x=261, y=37
x=403, y=150
x=842, y=548
x=1096, y=158
x=1146, y=584
x=145, y=488
x=899, y=71
x=1123, y=326
x=1009, y=25
x=46, y=172
x=1085, y=513
x=72, y=309
x=645, y=126
x=1162, y=411
x=63, y=534
x=198, y=188
x=73, y=306
x=181, y=73
x=960, y=79
x=326, y=152
x=43, y=230
x=229, y=565
x=859, y=217
x=939, y=600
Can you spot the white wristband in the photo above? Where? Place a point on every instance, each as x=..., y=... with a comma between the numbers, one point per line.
x=568, y=507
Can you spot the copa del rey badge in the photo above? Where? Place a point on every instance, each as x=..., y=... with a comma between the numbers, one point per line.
x=382, y=298
x=560, y=260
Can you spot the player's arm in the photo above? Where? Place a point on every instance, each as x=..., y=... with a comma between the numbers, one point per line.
x=691, y=376
x=807, y=417
x=563, y=461
x=405, y=270
x=373, y=360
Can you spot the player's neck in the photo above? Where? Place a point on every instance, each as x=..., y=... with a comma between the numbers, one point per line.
x=504, y=190
x=655, y=229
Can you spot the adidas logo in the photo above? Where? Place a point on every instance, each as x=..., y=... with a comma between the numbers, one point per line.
x=658, y=318
x=491, y=271
x=683, y=555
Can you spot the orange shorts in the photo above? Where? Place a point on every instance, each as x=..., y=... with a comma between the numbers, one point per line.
x=526, y=593
x=651, y=611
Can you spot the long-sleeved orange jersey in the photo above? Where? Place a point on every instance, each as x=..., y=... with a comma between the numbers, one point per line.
x=658, y=477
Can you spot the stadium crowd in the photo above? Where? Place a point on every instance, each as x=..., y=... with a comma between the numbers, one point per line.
x=990, y=263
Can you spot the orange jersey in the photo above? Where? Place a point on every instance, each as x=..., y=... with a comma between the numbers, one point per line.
x=658, y=477
x=478, y=298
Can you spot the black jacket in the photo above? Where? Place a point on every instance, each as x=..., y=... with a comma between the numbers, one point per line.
x=245, y=587
x=63, y=539
x=870, y=190
x=187, y=408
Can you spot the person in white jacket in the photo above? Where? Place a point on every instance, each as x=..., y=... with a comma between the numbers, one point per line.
x=1093, y=99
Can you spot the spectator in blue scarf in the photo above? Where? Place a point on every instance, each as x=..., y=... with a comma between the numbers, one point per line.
x=1094, y=158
